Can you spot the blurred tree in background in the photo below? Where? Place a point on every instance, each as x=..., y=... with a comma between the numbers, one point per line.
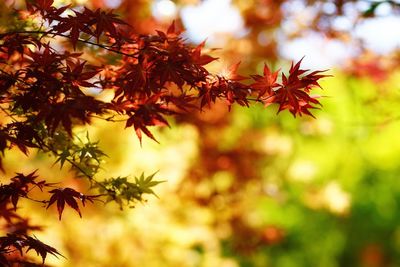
x=247, y=187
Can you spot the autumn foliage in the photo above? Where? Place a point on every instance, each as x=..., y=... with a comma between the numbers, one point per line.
x=52, y=61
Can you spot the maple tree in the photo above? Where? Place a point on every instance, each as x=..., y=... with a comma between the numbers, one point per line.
x=49, y=63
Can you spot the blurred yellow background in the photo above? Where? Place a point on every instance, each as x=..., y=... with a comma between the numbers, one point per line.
x=247, y=187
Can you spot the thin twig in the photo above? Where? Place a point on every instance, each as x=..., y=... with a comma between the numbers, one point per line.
x=36, y=200
x=76, y=166
x=109, y=48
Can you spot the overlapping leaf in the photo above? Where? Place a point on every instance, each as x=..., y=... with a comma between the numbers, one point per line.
x=294, y=92
x=12, y=241
x=69, y=196
x=265, y=84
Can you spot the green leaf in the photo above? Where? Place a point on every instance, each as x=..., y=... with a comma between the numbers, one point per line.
x=145, y=183
x=63, y=157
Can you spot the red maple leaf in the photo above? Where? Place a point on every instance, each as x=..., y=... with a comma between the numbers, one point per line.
x=41, y=248
x=81, y=108
x=65, y=195
x=19, y=187
x=293, y=94
x=75, y=73
x=46, y=9
x=75, y=25
x=232, y=73
x=132, y=80
x=266, y=83
x=104, y=22
x=200, y=59
x=146, y=113
x=17, y=43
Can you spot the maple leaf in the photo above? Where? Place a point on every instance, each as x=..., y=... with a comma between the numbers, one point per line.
x=62, y=157
x=200, y=59
x=145, y=183
x=23, y=135
x=122, y=191
x=19, y=187
x=41, y=248
x=236, y=92
x=79, y=107
x=210, y=91
x=173, y=65
x=227, y=84
x=133, y=80
x=14, y=241
x=39, y=5
x=46, y=58
x=146, y=113
x=46, y=9
x=119, y=189
x=65, y=195
x=75, y=25
x=17, y=43
x=173, y=61
x=183, y=101
x=75, y=74
x=293, y=94
x=25, y=180
x=172, y=31
x=11, y=241
x=11, y=193
x=232, y=73
x=104, y=22
x=266, y=83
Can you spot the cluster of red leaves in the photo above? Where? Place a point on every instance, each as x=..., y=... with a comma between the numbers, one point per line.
x=293, y=93
x=21, y=185
x=13, y=242
x=17, y=239
x=69, y=196
x=48, y=83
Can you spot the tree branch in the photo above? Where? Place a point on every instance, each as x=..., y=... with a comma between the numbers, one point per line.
x=45, y=33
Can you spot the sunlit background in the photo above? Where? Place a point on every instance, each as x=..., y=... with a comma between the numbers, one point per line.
x=248, y=187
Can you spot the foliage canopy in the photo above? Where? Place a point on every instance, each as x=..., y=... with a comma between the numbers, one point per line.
x=56, y=61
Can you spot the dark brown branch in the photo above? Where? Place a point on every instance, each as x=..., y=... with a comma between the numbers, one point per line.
x=108, y=48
